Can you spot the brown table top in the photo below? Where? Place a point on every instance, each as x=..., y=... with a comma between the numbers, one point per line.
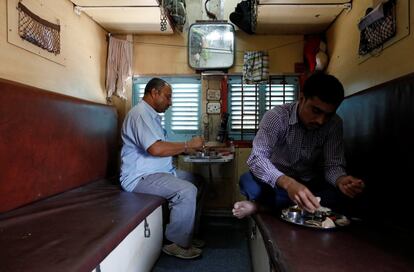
x=357, y=247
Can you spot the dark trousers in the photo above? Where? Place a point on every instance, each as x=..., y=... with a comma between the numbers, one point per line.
x=277, y=198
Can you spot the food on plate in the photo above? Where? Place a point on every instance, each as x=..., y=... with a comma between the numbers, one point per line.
x=314, y=223
x=342, y=221
x=328, y=223
x=323, y=209
x=323, y=217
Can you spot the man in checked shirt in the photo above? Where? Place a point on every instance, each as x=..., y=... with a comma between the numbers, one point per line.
x=298, y=154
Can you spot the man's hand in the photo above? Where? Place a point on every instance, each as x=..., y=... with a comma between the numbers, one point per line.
x=350, y=185
x=299, y=193
x=196, y=143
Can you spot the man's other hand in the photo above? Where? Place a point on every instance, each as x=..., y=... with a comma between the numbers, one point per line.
x=350, y=185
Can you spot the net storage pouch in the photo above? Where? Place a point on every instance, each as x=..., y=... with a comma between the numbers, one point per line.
x=38, y=31
x=377, y=27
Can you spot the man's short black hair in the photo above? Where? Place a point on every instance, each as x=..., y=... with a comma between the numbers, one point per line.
x=326, y=87
x=155, y=83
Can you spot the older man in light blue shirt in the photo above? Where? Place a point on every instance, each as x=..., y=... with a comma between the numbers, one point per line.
x=142, y=128
x=146, y=166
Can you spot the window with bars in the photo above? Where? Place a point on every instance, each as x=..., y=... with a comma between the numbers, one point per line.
x=248, y=102
x=182, y=120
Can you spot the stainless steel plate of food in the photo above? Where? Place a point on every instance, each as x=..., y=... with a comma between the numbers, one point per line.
x=207, y=157
x=212, y=155
x=323, y=218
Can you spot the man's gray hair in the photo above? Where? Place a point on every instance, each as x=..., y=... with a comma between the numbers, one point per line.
x=155, y=83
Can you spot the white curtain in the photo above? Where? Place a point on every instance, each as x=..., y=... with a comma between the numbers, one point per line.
x=119, y=66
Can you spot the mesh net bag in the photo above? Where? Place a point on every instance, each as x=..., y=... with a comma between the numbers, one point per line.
x=375, y=34
x=38, y=31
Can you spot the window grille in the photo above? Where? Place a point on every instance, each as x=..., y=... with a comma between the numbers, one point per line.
x=185, y=107
x=249, y=102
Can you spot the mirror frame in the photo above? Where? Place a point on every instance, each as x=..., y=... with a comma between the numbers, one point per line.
x=211, y=23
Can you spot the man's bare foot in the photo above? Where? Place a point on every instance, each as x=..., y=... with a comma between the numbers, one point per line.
x=244, y=208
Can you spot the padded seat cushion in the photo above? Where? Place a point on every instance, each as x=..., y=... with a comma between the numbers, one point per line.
x=72, y=231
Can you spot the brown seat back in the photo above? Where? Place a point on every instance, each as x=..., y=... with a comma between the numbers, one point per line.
x=50, y=143
x=379, y=133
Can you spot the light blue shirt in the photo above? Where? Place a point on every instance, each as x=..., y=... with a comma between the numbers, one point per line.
x=142, y=128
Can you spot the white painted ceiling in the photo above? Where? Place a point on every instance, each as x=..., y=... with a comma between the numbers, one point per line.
x=273, y=16
x=297, y=17
x=125, y=16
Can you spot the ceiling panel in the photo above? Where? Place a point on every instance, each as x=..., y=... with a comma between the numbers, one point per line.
x=274, y=16
x=128, y=20
x=295, y=19
x=303, y=2
x=116, y=3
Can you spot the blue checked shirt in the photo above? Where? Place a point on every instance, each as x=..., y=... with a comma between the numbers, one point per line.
x=283, y=146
